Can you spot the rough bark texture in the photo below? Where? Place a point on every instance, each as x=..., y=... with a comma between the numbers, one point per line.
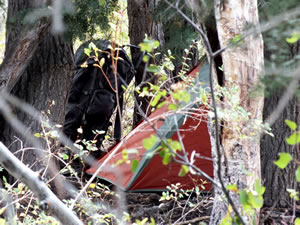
x=47, y=78
x=141, y=24
x=275, y=179
x=241, y=66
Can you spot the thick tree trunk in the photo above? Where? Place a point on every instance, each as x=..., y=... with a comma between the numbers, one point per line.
x=140, y=24
x=45, y=81
x=241, y=67
x=277, y=181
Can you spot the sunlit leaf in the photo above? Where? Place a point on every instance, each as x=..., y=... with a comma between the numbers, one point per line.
x=167, y=158
x=236, y=39
x=232, y=187
x=154, y=69
x=155, y=100
x=161, y=104
x=102, y=61
x=297, y=221
x=283, y=161
x=243, y=198
x=134, y=165
x=87, y=51
x=92, y=185
x=294, y=138
x=172, y=107
x=298, y=174
x=260, y=190
x=37, y=135
x=291, y=124
x=183, y=171
x=294, y=38
x=255, y=201
x=148, y=143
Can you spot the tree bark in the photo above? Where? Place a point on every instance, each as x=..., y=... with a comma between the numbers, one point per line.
x=141, y=24
x=277, y=181
x=46, y=79
x=241, y=67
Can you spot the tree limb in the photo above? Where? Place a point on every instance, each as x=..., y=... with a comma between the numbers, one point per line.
x=47, y=199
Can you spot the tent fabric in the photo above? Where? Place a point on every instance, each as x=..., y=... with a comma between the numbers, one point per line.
x=151, y=174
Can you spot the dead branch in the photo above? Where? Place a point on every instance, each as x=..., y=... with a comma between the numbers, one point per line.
x=48, y=200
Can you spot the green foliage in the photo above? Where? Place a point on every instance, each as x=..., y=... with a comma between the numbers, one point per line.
x=250, y=200
x=178, y=34
x=88, y=17
x=297, y=221
x=283, y=161
x=281, y=55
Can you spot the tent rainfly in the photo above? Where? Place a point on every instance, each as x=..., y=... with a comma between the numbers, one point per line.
x=151, y=174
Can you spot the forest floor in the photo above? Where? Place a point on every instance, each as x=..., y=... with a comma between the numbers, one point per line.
x=180, y=207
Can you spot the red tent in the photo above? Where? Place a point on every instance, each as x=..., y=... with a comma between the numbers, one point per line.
x=151, y=174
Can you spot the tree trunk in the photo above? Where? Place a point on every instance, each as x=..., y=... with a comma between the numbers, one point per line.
x=277, y=181
x=45, y=81
x=241, y=67
x=140, y=24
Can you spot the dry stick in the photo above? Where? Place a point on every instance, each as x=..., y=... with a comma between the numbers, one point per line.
x=194, y=220
x=36, y=115
x=210, y=60
x=47, y=199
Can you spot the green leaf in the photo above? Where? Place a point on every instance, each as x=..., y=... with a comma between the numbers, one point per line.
x=283, y=161
x=102, y=61
x=175, y=145
x=298, y=174
x=294, y=38
x=153, y=69
x=291, y=124
x=92, y=46
x=172, y=106
x=155, y=100
x=37, y=135
x=232, y=187
x=87, y=51
x=256, y=201
x=65, y=156
x=125, y=155
x=243, y=198
x=149, y=143
x=145, y=58
x=161, y=104
x=183, y=171
x=293, y=139
x=134, y=165
x=101, y=2
x=236, y=39
x=297, y=221
x=260, y=190
x=166, y=158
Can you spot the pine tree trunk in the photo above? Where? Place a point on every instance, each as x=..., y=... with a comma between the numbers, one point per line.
x=241, y=67
x=141, y=24
x=46, y=80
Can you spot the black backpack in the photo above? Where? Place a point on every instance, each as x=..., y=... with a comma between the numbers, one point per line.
x=92, y=98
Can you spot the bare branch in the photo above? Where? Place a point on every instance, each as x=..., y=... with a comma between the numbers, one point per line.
x=49, y=200
x=284, y=100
